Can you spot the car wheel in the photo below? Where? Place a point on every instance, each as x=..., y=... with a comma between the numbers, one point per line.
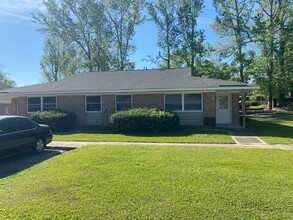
x=39, y=146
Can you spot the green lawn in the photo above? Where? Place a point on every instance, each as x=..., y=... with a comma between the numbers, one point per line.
x=182, y=136
x=277, y=129
x=135, y=182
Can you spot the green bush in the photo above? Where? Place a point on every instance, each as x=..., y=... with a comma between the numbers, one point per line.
x=58, y=120
x=144, y=120
x=289, y=107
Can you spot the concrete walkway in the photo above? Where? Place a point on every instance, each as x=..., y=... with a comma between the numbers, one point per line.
x=245, y=137
x=74, y=144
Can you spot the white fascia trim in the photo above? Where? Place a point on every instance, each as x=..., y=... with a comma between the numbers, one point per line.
x=88, y=92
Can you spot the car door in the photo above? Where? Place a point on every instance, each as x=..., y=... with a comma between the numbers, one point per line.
x=8, y=141
x=26, y=134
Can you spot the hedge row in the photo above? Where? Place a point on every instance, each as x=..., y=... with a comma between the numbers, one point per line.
x=144, y=120
x=58, y=120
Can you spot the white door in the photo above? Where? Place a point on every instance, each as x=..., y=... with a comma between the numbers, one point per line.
x=223, y=115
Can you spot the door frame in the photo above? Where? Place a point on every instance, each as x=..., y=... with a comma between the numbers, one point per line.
x=229, y=106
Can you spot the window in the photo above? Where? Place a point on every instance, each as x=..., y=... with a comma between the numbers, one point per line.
x=173, y=102
x=25, y=124
x=183, y=102
x=123, y=102
x=93, y=103
x=49, y=103
x=8, y=125
x=35, y=104
x=192, y=102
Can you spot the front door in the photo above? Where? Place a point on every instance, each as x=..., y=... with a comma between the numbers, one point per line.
x=223, y=109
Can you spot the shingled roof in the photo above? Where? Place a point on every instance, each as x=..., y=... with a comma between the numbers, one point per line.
x=129, y=81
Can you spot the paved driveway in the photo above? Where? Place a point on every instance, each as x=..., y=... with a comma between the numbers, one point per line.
x=15, y=164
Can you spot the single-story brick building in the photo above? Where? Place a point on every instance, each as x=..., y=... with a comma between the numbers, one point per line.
x=94, y=96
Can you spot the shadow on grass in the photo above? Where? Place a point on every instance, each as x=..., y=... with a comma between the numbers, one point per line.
x=179, y=133
x=271, y=128
x=14, y=164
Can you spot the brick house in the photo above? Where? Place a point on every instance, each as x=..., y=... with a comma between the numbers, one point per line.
x=94, y=96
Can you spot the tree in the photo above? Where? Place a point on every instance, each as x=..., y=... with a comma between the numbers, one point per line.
x=5, y=82
x=124, y=16
x=163, y=13
x=81, y=24
x=58, y=60
x=271, y=23
x=233, y=24
x=189, y=42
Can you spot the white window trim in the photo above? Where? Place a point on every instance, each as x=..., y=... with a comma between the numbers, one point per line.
x=131, y=100
x=41, y=97
x=101, y=98
x=182, y=98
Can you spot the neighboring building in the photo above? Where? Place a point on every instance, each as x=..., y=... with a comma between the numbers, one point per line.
x=5, y=105
x=94, y=96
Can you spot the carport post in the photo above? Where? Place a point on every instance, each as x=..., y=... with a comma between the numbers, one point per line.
x=243, y=109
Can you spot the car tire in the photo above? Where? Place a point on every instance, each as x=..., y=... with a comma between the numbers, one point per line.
x=39, y=146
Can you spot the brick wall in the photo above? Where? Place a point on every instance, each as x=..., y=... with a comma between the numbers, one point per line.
x=148, y=101
x=14, y=106
x=74, y=104
x=209, y=108
x=22, y=106
x=235, y=109
x=108, y=108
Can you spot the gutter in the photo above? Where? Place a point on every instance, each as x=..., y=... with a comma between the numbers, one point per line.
x=78, y=92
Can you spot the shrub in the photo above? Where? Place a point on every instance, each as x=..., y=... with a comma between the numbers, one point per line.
x=289, y=107
x=144, y=120
x=58, y=120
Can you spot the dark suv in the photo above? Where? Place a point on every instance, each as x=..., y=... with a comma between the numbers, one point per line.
x=20, y=134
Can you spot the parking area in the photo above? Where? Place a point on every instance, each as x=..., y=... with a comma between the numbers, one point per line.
x=18, y=163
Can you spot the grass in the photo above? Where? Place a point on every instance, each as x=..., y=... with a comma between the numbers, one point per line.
x=182, y=136
x=131, y=182
x=275, y=129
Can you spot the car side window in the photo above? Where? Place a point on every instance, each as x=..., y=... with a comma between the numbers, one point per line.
x=8, y=125
x=24, y=124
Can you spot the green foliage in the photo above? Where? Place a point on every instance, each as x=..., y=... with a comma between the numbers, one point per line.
x=123, y=16
x=5, y=82
x=232, y=24
x=144, y=120
x=289, y=107
x=58, y=120
x=58, y=61
x=83, y=25
x=163, y=13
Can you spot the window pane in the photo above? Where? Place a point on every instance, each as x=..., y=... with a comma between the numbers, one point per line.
x=173, y=102
x=192, y=102
x=34, y=104
x=93, y=99
x=93, y=103
x=34, y=100
x=8, y=126
x=123, y=98
x=25, y=124
x=123, y=102
x=123, y=106
x=49, y=103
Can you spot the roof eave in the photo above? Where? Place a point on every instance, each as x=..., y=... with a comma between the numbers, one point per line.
x=159, y=90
